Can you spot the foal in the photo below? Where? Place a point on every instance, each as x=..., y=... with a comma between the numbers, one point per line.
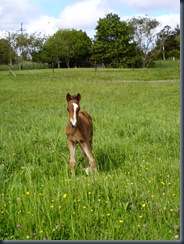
x=79, y=129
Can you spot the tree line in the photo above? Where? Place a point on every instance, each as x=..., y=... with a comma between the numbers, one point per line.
x=133, y=43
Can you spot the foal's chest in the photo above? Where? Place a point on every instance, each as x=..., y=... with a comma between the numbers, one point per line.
x=75, y=135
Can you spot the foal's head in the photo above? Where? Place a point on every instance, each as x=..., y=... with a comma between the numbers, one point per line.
x=73, y=108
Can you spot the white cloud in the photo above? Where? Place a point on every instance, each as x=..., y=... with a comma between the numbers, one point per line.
x=80, y=14
x=44, y=24
x=13, y=13
x=169, y=19
x=152, y=5
x=83, y=14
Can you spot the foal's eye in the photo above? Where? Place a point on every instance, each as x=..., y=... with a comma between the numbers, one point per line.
x=68, y=109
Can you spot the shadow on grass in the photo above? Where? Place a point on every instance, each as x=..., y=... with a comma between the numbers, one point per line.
x=109, y=160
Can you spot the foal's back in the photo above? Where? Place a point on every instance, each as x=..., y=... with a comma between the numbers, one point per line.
x=87, y=120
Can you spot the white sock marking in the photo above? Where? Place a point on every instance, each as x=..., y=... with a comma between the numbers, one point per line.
x=87, y=170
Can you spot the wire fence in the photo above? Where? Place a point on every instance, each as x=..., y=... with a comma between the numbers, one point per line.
x=34, y=65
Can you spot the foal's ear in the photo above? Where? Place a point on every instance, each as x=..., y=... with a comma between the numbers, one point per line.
x=68, y=97
x=78, y=96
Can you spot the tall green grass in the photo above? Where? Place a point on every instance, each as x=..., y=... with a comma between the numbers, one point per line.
x=167, y=64
x=136, y=193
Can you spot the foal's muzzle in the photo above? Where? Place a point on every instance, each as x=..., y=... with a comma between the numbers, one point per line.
x=73, y=125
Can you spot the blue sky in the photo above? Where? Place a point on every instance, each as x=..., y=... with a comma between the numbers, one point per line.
x=47, y=16
x=53, y=7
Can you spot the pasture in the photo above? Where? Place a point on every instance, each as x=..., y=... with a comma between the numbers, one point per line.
x=136, y=145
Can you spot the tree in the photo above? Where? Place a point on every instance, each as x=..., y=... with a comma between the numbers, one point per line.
x=37, y=44
x=169, y=42
x=144, y=34
x=7, y=53
x=4, y=51
x=67, y=46
x=162, y=38
x=112, y=43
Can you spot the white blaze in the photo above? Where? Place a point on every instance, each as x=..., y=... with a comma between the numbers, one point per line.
x=74, y=119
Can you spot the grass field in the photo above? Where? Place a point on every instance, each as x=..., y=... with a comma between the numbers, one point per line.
x=136, y=193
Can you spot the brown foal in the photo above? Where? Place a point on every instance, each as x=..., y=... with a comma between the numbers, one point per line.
x=79, y=129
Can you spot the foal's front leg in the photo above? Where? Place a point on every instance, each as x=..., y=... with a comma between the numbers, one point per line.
x=71, y=147
x=87, y=148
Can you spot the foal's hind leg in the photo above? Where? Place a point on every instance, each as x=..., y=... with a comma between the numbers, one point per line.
x=71, y=147
x=85, y=160
x=87, y=148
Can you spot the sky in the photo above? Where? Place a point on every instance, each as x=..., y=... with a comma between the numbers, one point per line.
x=47, y=16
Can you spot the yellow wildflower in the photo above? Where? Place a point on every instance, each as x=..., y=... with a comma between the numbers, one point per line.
x=143, y=205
